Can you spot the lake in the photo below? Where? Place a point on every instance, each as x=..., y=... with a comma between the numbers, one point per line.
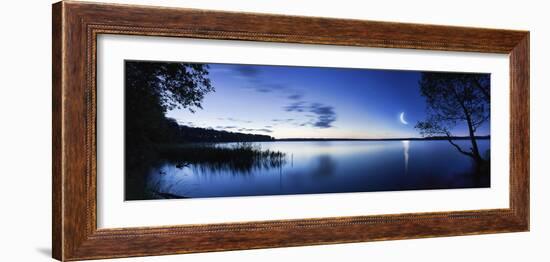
x=311, y=167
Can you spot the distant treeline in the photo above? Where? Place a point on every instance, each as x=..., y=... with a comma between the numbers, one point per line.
x=187, y=134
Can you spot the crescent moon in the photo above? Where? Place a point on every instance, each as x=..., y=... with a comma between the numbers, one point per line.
x=402, y=118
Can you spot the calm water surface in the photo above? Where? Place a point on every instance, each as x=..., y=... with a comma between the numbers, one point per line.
x=328, y=167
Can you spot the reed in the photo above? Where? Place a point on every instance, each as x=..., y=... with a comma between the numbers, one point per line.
x=238, y=157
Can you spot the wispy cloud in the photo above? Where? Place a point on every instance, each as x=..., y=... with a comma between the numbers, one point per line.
x=247, y=71
x=232, y=119
x=277, y=120
x=253, y=75
x=324, y=114
x=299, y=106
x=262, y=130
x=320, y=115
x=226, y=127
x=295, y=96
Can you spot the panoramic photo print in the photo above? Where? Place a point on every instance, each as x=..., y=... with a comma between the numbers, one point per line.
x=196, y=130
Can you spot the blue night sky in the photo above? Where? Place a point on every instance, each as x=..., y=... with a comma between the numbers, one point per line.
x=311, y=102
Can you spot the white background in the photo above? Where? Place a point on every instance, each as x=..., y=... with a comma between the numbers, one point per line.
x=25, y=136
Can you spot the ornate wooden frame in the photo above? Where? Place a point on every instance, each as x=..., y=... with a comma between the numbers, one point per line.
x=76, y=26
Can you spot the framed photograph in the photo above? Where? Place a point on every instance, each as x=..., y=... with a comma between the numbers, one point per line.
x=182, y=130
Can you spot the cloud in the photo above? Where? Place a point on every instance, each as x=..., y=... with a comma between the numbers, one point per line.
x=264, y=130
x=299, y=106
x=247, y=71
x=252, y=75
x=324, y=114
x=276, y=120
x=304, y=123
x=263, y=87
x=232, y=119
x=295, y=96
x=226, y=127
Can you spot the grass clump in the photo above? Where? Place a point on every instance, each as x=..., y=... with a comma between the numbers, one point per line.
x=239, y=157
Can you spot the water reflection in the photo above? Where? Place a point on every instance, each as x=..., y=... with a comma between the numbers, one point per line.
x=313, y=167
x=238, y=158
x=406, y=144
x=325, y=166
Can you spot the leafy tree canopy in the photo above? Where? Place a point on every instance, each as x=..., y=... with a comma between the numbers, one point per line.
x=173, y=85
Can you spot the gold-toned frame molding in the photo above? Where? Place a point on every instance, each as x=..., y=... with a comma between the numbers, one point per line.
x=76, y=26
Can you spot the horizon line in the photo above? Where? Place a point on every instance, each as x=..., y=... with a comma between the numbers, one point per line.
x=387, y=138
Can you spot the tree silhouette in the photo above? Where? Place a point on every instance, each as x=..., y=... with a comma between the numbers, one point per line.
x=153, y=88
x=453, y=99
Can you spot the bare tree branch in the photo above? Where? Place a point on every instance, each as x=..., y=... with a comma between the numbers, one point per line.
x=450, y=139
